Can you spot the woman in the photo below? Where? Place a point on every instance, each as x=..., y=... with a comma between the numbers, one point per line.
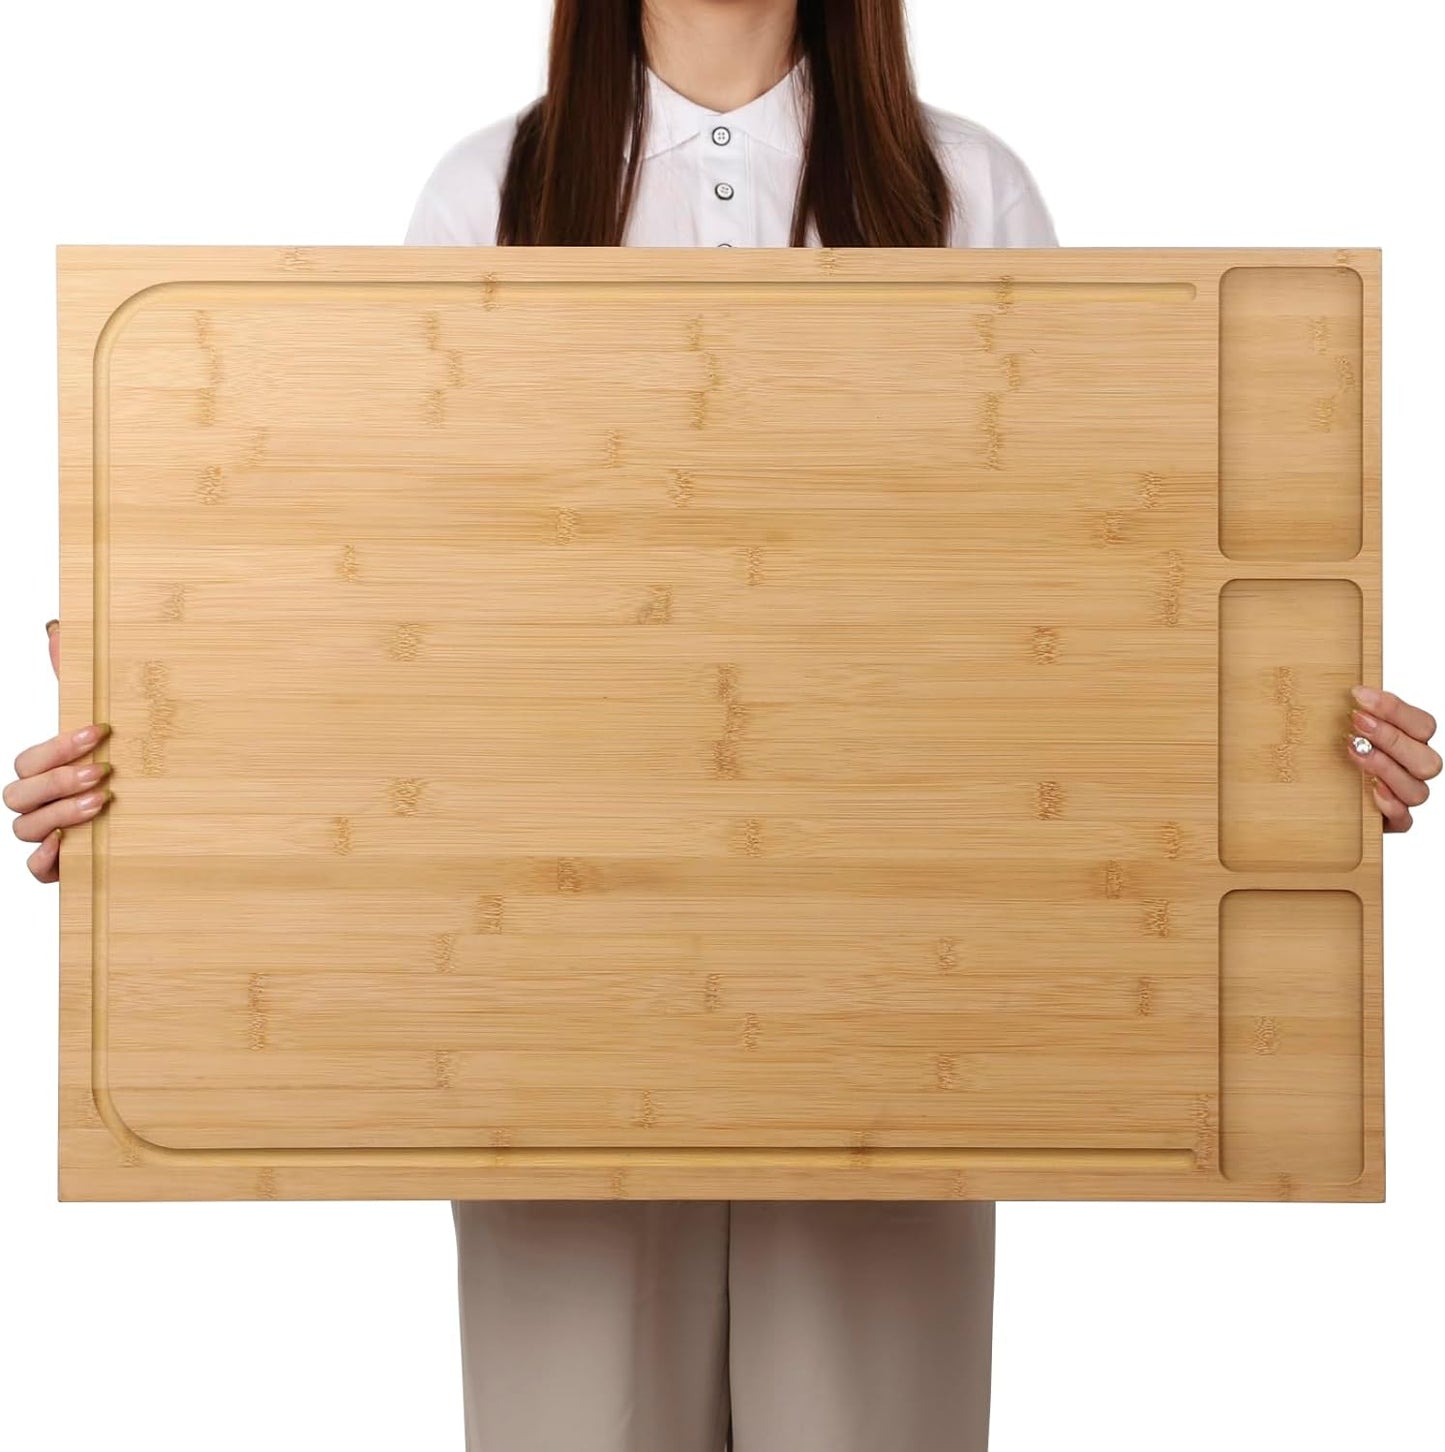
x=684, y=1326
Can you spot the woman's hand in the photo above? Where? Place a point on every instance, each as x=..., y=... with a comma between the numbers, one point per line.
x=51, y=791
x=1396, y=757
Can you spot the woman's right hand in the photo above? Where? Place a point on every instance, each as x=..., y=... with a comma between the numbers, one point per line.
x=52, y=790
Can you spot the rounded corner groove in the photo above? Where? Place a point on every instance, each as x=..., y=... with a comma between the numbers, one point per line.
x=123, y=311
x=124, y=1133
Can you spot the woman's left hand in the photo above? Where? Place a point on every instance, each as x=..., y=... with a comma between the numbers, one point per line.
x=1399, y=760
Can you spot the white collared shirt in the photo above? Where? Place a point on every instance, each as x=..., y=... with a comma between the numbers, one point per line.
x=728, y=179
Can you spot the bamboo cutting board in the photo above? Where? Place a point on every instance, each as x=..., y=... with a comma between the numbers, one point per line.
x=684, y=724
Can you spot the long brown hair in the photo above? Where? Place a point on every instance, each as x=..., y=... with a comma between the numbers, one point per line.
x=870, y=175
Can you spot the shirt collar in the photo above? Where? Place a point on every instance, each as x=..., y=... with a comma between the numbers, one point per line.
x=775, y=118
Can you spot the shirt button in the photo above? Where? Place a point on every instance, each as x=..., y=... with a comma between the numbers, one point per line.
x=724, y=190
x=721, y=135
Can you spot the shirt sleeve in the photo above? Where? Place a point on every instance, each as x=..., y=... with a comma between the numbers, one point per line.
x=1024, y=220
x=432, y=223
x=460, y=201
x=996, y=201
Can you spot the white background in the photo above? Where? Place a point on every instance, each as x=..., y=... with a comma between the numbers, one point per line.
x=1136, y=1328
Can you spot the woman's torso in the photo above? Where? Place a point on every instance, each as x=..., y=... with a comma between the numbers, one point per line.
x=710, y=179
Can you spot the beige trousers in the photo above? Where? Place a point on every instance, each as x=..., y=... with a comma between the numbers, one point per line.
x=705, y=1325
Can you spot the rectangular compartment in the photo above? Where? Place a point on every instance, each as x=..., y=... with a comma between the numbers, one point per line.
x=1290, y=1031
x=1290, y=413
x=1289, y=651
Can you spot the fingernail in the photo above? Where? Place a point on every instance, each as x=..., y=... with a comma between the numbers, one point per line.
x=89, y=735
x=1365, y=721
x=91, y=801
x=1366, y=697
x=50, y=625
x=58, y=833
x=91, y=772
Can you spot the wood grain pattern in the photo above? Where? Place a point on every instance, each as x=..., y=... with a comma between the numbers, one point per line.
x=776, y=724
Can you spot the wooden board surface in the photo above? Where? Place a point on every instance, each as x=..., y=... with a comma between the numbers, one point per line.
x=684, y=724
